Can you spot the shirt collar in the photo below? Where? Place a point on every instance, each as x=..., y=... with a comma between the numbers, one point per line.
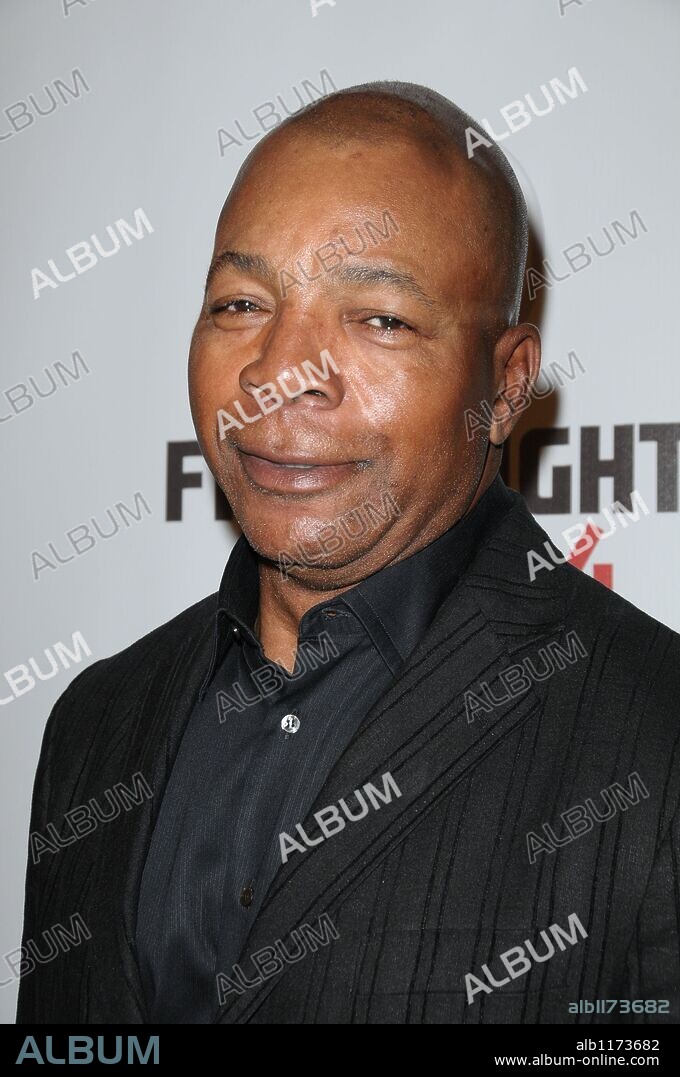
x=395, y=605
x=405, y=597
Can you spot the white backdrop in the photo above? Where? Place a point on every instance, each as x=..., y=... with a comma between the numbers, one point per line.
x=149, y=108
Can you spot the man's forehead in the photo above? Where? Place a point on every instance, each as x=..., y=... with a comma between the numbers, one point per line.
x=303, y=187
x=327, y=189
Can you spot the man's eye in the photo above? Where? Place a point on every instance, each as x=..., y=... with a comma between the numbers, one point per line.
x=235, y=306
x=387, y=323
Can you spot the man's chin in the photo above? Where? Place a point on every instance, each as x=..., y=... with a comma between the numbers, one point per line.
x=298, y=555
x=326, y=575
x=306, y=562
x=315, y=537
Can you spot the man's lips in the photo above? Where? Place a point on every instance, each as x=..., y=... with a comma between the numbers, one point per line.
x=294, y=473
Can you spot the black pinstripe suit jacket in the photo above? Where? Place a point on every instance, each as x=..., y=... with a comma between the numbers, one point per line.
x=440, y=882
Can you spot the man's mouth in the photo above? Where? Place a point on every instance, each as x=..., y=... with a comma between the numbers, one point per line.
x=294, y=473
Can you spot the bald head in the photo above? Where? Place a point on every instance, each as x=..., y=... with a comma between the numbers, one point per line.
x=494, y=221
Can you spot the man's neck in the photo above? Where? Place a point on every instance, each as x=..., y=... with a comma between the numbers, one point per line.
x=283, y=603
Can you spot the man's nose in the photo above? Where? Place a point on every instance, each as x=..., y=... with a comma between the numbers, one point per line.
x=294, y=362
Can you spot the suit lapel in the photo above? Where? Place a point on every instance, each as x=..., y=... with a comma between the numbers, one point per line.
x=420, y=734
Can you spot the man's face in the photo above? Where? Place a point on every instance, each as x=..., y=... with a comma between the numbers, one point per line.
x=401, y=320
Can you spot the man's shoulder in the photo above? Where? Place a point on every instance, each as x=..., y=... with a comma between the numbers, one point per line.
x=517, y=593
x=162, y=646
x=186, y=625
x=631, y=635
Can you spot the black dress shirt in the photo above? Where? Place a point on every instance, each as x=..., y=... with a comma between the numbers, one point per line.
x=256, y=752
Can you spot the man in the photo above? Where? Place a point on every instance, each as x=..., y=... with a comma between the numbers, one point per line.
x=397, y=777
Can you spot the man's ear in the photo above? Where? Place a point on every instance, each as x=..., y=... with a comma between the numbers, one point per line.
x=516, y=364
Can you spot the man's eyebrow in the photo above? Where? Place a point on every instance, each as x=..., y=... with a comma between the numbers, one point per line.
x=372, y=273
x=247, y=263
x=348, y=273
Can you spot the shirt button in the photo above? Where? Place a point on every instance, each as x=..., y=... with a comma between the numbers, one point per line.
x=236, y=633
x=247, y=895
x=290, y=723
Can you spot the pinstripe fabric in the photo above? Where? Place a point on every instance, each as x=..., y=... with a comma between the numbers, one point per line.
x=437, y=883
